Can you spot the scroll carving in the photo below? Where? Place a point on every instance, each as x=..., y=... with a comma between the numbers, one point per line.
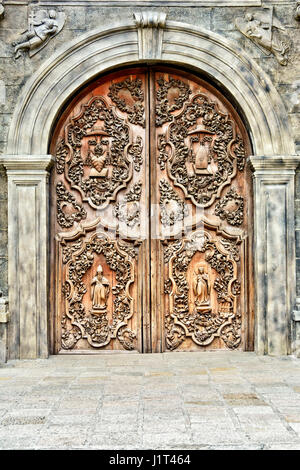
x=136, y=111
x=172, y=208
x=163, y=109
x=64, y=201
x=135, y=151
x=61, y=155
x=202, y=148
x=128, y=210
x=231, y=208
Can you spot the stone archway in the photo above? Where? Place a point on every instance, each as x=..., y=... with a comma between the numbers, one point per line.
x=27, y=162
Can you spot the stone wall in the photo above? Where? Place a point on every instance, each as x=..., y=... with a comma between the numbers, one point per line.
x=82, y=16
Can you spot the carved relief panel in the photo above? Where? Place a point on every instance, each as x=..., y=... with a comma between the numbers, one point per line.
x=98, y=203
x=150, y=205
x=201, y=185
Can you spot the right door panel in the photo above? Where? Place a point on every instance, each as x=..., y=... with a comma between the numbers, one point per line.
x=201, y=268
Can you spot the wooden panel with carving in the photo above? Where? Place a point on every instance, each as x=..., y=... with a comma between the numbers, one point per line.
x=202, y=190
x=99, y=193
x=150, y=204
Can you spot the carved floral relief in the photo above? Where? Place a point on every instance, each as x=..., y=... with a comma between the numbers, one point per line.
x=98, y=153
x=201, y=147
x=203, y=289
x=91, y=319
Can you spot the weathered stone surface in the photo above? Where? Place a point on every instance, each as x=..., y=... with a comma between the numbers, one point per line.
x=45, y=405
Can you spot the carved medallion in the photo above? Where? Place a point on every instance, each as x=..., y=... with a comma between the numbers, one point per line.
x=201, y=146
x=98, y=153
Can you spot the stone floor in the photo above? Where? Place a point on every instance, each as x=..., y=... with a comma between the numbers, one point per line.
x=213, y=400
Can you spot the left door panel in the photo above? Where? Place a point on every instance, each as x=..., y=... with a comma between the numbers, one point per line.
x=99, y=218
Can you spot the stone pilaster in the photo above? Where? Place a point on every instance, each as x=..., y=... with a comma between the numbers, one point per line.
x=274, y=249
x=27, y=254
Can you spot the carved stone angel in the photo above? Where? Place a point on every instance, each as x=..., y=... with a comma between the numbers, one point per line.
x=201, y=287
x=265, y=30
x=42, y=26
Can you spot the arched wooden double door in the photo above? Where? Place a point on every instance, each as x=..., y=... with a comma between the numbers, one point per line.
x=150, y=209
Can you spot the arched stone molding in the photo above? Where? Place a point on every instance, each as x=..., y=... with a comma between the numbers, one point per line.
x=27, y=163
x=104, y=48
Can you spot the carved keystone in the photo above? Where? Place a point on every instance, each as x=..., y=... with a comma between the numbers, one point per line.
x=150, y=33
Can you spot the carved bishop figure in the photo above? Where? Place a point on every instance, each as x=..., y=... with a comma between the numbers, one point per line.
x=100, y=290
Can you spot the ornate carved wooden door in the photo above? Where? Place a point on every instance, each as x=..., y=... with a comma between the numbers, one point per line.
x=150, y=218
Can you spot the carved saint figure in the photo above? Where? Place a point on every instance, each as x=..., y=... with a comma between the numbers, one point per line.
x=201, y=286
x=100, y=290
x=41, y=27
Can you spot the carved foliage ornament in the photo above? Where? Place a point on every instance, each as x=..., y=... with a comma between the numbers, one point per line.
x=235, y=215
x=65, y=199
x=266, y=31
x=128, y=210
x=172, y=208
x=163, y=109
x=200, y=321
x=43, y=25
x=201, y=148
x=136, y=111
x=77, y=323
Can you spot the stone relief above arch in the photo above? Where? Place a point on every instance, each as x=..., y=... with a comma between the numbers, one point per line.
x=43, y=25
x=266, y=31
x=82, y=59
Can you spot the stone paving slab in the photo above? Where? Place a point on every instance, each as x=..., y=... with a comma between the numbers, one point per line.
x=216, y=400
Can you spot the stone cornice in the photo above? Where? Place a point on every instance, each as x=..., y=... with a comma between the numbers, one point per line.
x=274, y=163
x=27, y=162
x=143, y=3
